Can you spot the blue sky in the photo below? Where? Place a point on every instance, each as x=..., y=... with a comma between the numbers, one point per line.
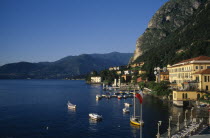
x=47, y=30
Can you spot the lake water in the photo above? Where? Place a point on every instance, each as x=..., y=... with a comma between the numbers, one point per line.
x=37, y=108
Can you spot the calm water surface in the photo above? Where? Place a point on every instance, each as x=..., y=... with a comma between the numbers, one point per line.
x=37, y=108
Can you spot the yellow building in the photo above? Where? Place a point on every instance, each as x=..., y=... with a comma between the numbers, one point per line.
x=137, y=64
x=96, y=79
x=142, y=72
x=180, y=96
x=184, y=71
x=164, y=76
x=190, y=78
x=203, y=79
x=119, y=72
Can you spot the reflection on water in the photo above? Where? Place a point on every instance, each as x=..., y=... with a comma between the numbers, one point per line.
x=93, y=121
x=71, y=111
x=97, y=101
x=93, y=125
x=135, y=130
x=126, y=114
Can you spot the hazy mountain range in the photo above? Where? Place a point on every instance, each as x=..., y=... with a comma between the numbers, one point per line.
x=67, y=67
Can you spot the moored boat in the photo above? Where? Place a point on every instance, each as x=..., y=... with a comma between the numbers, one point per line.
x=71, y=106
x=98, y=97
x=95, y=116
x=127, y=104
x=114, y=95
x=126, y=110
x=136, y=121
x=119, y=96
x=125, y=96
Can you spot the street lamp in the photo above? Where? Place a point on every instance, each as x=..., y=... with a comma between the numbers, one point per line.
x=191, y=117
x=159, y=124
x=185, y=120
x=178, y=122
x=169, y=127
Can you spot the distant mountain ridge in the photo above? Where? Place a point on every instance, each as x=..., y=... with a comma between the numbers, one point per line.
x=67, y=67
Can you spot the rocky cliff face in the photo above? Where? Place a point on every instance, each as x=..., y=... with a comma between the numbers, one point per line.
x=171, y=16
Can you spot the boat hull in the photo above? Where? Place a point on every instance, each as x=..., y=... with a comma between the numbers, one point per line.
x=95, y=116
x=135, y=122
x=71, y=107
x=126, y=111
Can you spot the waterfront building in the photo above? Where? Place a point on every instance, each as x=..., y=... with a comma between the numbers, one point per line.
x=203, y=77
x=114, y=68
x=119, y=72
x=179, y=97
x=164, y=76
x=127, y=72
x=126, y=77
x=142, y=72
x=185, y=70
x=96, y=79
x=190, y=79
x=137, y=64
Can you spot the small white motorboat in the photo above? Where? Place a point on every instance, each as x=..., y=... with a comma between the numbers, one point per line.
x=103, y=95
x=71, y=106
x=119, y=96
x=126, y=110
x=127, y=104
x=125, y=96
x=98, y=97
x=95, y=116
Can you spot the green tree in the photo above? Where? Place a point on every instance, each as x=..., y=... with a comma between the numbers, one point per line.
x=141, y=85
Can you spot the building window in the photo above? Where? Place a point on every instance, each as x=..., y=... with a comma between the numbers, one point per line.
x=208, y=67
x=207, y=87
x=198, y=96
x=185, y=95
x=196, y=67
x=197, y=79
x=205, y=78
x=174, y=95
x=208, y=79
x=201, y=67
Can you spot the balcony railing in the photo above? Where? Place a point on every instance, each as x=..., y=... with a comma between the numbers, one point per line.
x=184, y=99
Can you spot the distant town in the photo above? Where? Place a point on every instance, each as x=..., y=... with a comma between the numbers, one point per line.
x=184, y=83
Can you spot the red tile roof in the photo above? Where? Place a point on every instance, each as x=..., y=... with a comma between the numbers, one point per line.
x=196, y=58
x=206, y=71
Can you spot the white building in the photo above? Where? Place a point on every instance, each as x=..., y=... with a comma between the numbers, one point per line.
x=114, y=68
x=127, y=72
x=96, y=79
